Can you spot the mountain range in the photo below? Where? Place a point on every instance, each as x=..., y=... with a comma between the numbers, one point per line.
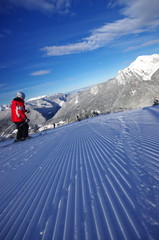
x=136, y=86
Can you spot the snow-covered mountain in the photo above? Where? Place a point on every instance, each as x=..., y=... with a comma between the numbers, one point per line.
x=4, y=107
x=97, y=179
x=136, y=86
x=142, y=68
x=47, y=106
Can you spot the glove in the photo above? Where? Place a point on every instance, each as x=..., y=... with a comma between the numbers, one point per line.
x=27, y=120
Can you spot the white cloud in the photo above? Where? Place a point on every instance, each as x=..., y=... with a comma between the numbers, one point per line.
x=52, y=6
x=139, y=16
x=41, y=72
x=69, y=49
x=142, y=45
x=143, y=9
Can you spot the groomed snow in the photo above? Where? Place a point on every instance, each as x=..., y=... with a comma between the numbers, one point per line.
x=97, y=179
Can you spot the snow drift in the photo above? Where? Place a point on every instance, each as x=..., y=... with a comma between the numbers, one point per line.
x=97, y=179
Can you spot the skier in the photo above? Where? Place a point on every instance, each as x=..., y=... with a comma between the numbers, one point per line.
x=156, y=102
x=78, y=118
x=18, y=113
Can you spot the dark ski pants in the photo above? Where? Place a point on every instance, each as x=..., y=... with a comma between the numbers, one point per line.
x=22, y=130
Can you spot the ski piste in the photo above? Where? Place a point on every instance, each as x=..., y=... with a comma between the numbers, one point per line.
x=97, y=179
x=6, y=143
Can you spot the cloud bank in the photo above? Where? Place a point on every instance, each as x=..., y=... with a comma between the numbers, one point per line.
x=139, y=16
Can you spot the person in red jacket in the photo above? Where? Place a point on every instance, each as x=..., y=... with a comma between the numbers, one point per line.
x=18, y=114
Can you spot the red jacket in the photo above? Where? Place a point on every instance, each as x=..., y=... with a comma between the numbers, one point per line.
x=18, y=110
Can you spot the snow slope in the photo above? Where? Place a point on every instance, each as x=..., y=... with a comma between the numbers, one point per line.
x=97, y=179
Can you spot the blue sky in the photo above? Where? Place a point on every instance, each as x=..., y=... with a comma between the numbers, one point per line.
x=54, y=46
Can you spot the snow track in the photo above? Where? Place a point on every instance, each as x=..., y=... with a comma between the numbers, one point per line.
x=97, y=179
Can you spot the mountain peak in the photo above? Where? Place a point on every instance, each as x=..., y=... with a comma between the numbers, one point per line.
x=142, y=68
